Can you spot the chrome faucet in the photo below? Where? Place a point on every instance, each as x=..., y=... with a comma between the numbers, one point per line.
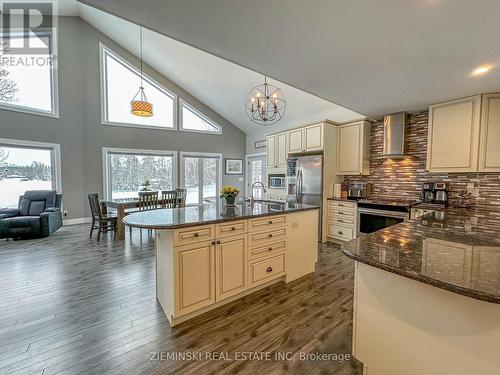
x=252, y=198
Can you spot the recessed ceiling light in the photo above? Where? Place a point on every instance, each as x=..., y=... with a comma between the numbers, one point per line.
x=483, y=69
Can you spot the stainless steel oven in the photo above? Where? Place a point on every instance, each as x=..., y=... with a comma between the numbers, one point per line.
x=372, y=219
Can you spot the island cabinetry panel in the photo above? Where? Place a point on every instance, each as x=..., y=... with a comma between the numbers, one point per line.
x=231, y=266
x=270, y=222
x=195, y=277
x=191, y=235
x=342, y=220
x=267, y=269
x=231, y=229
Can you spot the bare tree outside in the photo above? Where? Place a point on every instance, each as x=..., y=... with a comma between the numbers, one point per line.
x=8, y=87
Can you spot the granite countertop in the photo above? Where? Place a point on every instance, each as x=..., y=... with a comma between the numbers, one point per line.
x=171, y=218
x=455, y=249
x=342, y=199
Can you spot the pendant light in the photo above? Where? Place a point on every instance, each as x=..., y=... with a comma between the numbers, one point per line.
x=265, y=104
x=139, y=105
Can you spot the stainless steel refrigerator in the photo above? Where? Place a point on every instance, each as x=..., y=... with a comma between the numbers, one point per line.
x=305, y=182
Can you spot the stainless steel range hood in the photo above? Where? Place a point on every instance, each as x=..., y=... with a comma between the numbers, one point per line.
x=394, y=135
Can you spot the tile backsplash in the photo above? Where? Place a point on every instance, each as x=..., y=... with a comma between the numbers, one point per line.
x=403, y=179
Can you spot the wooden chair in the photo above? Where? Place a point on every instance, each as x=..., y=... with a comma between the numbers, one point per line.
x=148, y=200
x=103, y=222
x=168, y=199
x=181, y=197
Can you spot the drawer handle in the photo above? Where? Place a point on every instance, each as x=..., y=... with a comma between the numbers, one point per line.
x=269, y=269
x=341, y=233
x=270, y=235
x=233, y=228
x=213, y=242
x=196, y=235
x=341, y=213
x=270, y=249
x=218, y=242
x=340, y=220
x=270, y=221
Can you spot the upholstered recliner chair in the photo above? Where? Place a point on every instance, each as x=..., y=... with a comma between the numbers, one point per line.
x=38, y=215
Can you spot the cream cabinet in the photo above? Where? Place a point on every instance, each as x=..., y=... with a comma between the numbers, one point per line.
x=453, y=137
x=230, y=266
x=277, y=150
x=489, y=150
x=342, y=220
x=296, y=140
x=271, y=150
x=485, y=265
x=353, y=149
x=195, y=277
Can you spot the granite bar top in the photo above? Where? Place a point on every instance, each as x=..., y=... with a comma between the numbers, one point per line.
x=171, y=218
x=455, y=249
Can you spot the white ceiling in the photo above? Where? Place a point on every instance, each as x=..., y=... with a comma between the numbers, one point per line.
x=373, y=56
x=220, y=84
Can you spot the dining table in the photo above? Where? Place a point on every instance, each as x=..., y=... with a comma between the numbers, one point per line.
x=124, y=206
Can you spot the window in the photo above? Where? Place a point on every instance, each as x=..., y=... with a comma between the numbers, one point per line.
x=129, y=171
x=26, y=166
x=28, y=81
x=201, y=176
x=194, y=121
x=119, y=83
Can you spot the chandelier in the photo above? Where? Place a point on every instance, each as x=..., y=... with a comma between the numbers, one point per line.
x=265, y=104
x=139, y=105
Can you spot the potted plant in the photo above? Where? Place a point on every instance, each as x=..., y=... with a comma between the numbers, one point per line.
x=229, y=193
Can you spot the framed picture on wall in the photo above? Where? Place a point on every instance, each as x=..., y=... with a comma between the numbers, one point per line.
x=260, y=144
x=234, y=166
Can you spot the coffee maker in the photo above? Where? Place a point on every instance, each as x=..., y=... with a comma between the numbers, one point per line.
x=441, y=192
x=428, y=194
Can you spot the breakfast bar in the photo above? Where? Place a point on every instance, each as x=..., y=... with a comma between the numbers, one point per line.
x=427, y=295
x=209, y=255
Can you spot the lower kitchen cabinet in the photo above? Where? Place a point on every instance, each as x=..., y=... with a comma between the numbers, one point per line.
x=230, y=266
x=195, y=284
x=342, y=220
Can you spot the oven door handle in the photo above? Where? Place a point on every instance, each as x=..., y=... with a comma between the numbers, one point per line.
x=395, y=214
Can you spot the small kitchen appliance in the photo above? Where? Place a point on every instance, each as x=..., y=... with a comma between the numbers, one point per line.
x=358, y=190
x=428, y=194
x=441, y=192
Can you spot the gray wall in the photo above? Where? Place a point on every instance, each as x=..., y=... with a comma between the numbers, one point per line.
x=79, y=129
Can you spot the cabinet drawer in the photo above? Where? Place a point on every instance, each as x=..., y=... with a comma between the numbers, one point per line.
x=267, y=223
x=193, y=235
x=340, y=232
x=258, y=238
x=268, y=250
x=342, y=221
x=267, y=269
x=231, y=229
x=336, y=205
x=342, y=213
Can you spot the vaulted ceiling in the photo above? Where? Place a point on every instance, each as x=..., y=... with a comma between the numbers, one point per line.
x=371, y=56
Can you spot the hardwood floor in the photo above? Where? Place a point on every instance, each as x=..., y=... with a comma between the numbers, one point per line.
x=71, y=305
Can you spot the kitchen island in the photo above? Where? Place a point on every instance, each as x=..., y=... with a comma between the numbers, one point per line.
x=427, y=295
x=212, y=254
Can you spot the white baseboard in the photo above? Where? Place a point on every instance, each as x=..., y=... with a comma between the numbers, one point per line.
x=79, y=220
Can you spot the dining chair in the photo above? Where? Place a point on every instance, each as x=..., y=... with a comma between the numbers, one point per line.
x=148, y=200
x=168, y=198
x=102, y=221
x=181, y=197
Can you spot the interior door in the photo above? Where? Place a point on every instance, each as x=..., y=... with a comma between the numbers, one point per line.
x=201, y=177
x=256, y=171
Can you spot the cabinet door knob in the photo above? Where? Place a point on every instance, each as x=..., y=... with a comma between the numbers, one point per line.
x=270, y=221
x=270, y=249
x=341, y=213
x=196, y=235
x=233, y=228
x=341, y=233
x=270, y=234
x=269, y=269
x=213, y=242
x=218, y=242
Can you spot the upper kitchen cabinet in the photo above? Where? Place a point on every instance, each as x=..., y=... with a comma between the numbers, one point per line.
x=309, y=138
x=277, y=150
x=489, y=150
x=353, y=149
x=453, y=139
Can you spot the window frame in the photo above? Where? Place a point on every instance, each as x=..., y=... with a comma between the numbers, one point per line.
x=106, y=168
x=183, y=154
x=182, y=104
x=55, y=157
x=103, y=51
x=54, y=79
